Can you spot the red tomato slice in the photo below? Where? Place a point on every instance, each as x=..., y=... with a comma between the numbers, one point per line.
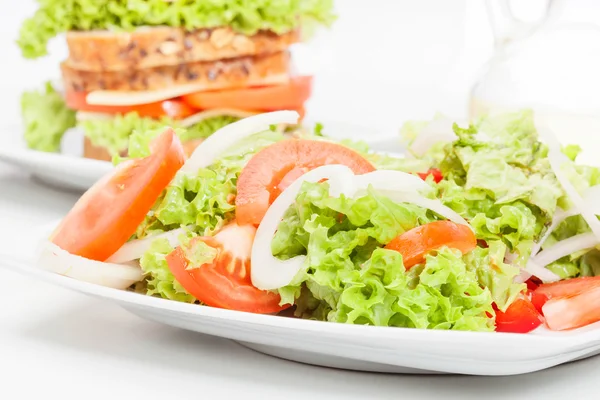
x=108, y=214
x=225, y=282
x=437, y=175
x=416, y=243
x=267, y=98
x=566, y=288
x=174, y=108
x=258, y=184
x=520, y=317
x=569, y=304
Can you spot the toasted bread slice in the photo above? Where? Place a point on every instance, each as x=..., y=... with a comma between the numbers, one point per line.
x=149, y=47
x=232, y=73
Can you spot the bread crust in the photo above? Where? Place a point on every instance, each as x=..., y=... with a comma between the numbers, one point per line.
x=149, y=47
x=232, y=73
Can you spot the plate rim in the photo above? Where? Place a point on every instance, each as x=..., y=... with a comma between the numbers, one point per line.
x=561, y=342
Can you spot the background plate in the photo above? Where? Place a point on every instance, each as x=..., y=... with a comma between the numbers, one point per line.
x=72, y=172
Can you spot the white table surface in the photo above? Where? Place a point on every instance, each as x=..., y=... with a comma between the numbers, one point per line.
x=56, y=342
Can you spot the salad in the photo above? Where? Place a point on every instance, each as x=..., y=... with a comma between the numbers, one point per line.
x=485, y=227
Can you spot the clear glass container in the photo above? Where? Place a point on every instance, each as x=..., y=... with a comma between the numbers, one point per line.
x=551, y=65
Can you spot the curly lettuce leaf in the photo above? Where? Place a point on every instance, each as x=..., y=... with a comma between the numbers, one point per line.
x=115, y=133
x=348, y=277
x=497, y=176
x=494, y=274
x=160, y=280
x=336, y=233
x=245, y=16
x=204, y=200
x=46, y=118
x=443, y=295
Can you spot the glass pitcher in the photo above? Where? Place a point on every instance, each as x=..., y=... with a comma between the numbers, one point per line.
x=551, y=66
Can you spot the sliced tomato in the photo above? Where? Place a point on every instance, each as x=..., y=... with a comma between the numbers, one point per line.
x=566, y=288
x=259, y=182
x=437, y=175
x=416, y=243
x=574, y=311
x=532, y=284
x=520, y=317
x=267, y=98
x=174, y=108
x=569, y=304
x=108, y=214
x=224, y=282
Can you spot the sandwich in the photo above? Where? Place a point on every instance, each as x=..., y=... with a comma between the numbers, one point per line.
x=136, y=65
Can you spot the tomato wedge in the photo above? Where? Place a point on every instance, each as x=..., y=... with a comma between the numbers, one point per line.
x=174, y=108
x=569, y=304
x=259, y=183
x=108, y=214
x=520, y=317
x=417, y=242
x=267, y=98
x=225, y=282
x=566, y=288
x=573, y=312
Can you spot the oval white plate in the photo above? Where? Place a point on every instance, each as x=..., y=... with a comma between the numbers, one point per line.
x=365, y=348
x=73, y=172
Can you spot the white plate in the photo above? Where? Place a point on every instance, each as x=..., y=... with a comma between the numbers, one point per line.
x=73, y=172
x=364, y=348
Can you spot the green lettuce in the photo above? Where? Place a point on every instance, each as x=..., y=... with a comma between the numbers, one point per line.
x=349, y=278
x=160, y=280
x=494, y=274
x=245, y=16
x=46, y=118
x=114, y=133
x=443, y=294
x=583, y=263
x=497, y=176
x=204, y=200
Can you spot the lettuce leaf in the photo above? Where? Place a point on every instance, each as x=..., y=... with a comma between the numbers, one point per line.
x=46, y=118
x=202, y=201
x=349, y=278
x=245, y=16
x=115, y=133
x=443, y=295
x=494, y=274
x=160, y=280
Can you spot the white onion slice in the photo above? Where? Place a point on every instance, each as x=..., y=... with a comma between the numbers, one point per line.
x=565, y=247
x=556, y=158
x=523, y=276
x=591, y=200
x=533, y=268
x=392, y=180
x=431, y=204
x=59, y=261
x=135, y=249
x=217, y=143
x=268, y=272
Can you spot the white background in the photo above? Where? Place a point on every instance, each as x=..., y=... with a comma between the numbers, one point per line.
x=384, y=62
